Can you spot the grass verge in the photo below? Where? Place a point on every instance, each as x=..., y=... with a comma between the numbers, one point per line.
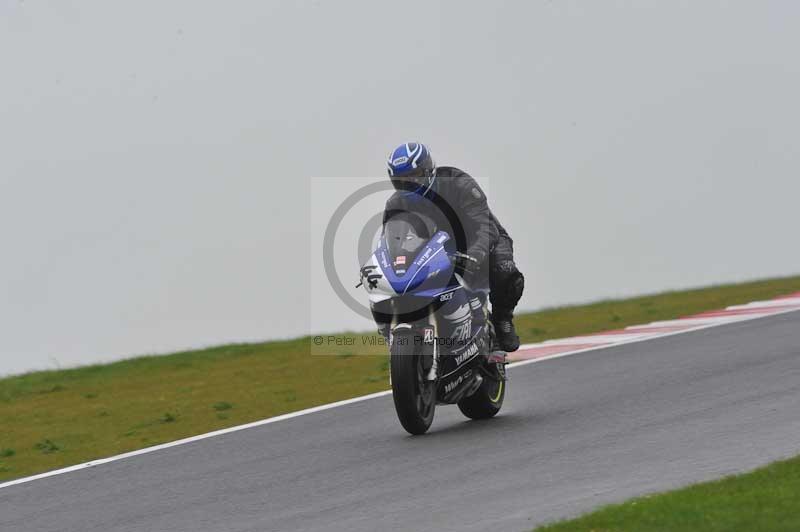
x=52, y=419
x=765, y=500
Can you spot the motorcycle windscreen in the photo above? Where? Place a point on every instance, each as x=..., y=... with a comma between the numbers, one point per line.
x=405, y=234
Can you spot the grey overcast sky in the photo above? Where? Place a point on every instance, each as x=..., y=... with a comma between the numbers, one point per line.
x=156, y=164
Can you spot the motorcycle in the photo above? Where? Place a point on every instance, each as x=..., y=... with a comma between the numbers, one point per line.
x=440, y=335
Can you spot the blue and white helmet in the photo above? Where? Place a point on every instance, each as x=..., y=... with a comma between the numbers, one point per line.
x=411, y=168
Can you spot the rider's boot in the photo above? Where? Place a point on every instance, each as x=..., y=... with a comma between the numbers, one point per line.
x=504, y=329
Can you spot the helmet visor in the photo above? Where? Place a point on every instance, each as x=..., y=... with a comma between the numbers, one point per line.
x=418, y=176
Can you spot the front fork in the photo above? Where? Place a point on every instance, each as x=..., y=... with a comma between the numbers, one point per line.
x=429, y=335
x=432, y=330
x=433, y=373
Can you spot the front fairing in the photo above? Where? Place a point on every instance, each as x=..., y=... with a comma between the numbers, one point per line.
x=430, y=273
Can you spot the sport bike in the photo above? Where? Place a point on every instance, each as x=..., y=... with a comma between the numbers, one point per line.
x=440, y=337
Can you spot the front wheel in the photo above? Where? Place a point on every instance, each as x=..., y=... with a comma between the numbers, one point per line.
x=487, y=401
x=414, y=395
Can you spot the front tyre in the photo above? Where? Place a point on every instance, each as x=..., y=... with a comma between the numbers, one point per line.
x=487, y=401
x=414, y=396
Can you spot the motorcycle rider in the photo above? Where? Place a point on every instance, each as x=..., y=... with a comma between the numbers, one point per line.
x=456, y=201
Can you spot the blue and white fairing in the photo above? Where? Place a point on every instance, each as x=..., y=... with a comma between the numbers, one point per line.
x=386, y=276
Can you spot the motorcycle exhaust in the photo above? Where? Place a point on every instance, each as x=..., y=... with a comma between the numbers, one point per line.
x=466, y=391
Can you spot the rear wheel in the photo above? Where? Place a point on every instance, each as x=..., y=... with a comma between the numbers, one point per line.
x=487, y=400
x=414, y=395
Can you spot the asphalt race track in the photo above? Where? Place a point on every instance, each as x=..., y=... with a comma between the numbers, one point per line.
x=576, y=432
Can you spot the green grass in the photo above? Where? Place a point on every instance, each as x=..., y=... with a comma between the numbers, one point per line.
x=52, y=419
x=765, y=500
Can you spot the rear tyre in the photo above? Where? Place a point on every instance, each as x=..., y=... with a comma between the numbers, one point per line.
x=414, y=395
x=487, y=401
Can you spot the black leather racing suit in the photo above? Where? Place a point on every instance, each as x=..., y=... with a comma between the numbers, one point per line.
x=457, y=204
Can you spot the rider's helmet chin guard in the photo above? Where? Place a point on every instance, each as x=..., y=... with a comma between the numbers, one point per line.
x=411, y=168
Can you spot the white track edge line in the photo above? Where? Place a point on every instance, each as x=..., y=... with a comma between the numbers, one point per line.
x=199, y=437
x=320, y=408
